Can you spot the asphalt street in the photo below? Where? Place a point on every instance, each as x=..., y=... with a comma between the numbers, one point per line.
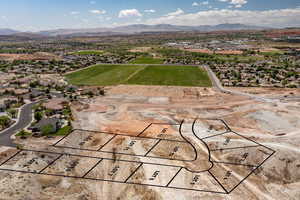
x=24, y=120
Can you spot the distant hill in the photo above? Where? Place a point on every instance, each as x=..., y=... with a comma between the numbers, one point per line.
x=168, y=27
x=139, y=28
x=131, y=29
x=6, y=31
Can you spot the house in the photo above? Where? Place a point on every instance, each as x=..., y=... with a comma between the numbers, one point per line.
x=55, y=104
x=56, y=94
x=21, y=91
x=5, y=103
x=33, y=94
x=25, y=80
x=54, y=123
x=10, y=100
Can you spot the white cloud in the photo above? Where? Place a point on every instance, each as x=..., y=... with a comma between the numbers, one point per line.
x=268, y=18
x=129, y=13
x=200, y=3
x=236, y=3
x=150, y=11
x=176, y=13
x=92, y=2
x=99, y=12
x=74, y=12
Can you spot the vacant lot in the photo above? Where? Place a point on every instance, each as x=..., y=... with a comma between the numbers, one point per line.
x=147, y=60
x=88, y=52
x=35, y=56
x=105, y=75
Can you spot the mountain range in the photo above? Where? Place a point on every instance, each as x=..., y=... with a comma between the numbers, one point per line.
x=6, y=31
x=136, y=28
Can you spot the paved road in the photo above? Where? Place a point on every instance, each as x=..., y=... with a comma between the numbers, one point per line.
x=217, y=84
x=24, y=120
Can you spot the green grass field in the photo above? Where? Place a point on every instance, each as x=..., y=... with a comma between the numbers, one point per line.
x=272, y=53
x=171, y=75
x=88, y=52
x=147, y=60
x=105, y=75
x=102, y=75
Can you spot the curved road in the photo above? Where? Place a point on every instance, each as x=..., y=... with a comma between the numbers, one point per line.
x=217, y=84
x=25, y=118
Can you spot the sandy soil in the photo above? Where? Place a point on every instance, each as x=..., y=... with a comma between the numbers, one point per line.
x=140, y=49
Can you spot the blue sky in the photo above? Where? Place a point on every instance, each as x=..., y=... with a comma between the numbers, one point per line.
x=34, y=15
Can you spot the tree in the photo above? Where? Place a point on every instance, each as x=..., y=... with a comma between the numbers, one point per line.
x=49, y=112
x=102, y=92
x=4, y=121
x=38, y=116
x=12, y=112
x=21, y=100
x=34, y=84
x=90, y=94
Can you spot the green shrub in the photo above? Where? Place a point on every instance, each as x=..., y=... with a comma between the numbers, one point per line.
x=64, y=131
x=23, y=133
x=47, y=130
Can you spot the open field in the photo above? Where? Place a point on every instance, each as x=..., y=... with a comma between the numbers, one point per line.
x=232, y=52
x=88, y=52
x=104, y=75
x=207, y=56
x=147, y=60
x=171, y=75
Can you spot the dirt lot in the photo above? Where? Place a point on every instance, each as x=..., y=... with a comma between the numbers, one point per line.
x=224, y=52
x=128, y=110
x=35, y=56
x=140, y=49
x=270, y=92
